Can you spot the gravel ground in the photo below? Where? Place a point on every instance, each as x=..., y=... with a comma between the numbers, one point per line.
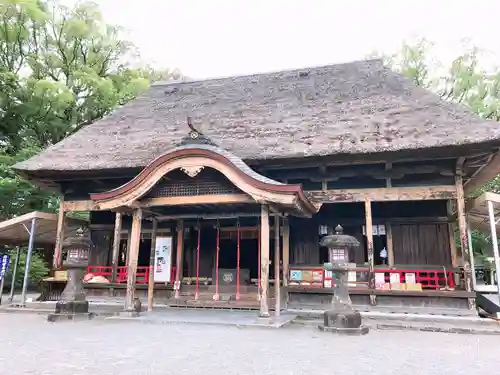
x=30, y=345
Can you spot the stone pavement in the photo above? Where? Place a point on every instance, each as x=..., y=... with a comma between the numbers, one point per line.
x=30, y=345
x=210, y=317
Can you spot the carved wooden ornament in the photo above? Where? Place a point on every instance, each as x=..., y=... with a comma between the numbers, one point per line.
x=192, y=171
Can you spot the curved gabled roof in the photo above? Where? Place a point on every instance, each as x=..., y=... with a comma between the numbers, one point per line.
x=290, y=198
x=354, y=108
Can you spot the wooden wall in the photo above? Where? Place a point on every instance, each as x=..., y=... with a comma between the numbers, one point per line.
x=425, y=244
x=100, y=253
x=418, y=239
x=304, y=245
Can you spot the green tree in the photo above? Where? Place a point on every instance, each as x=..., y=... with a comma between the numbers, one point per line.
x=61, y=68
x=463, y=81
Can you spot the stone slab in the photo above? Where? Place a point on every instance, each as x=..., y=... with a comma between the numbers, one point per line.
x=358, y=331
x=208, y=317
x=444, y=327
x=60, y=317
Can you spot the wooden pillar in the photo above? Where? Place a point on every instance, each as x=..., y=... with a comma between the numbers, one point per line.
x=179, y=261
x=116, y=245
x=151, y=276
x=135, y=240
x=388, y=225
x=277, y=284
x=464, y=243
x=390, y=244
x=369, y=247
x=264, y=261
x=56, y=262
x=451, y=235
x=129, y=238
x=286, y=250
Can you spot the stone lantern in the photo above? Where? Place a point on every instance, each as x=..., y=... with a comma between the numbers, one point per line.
x=72, y=301
x=341, y=318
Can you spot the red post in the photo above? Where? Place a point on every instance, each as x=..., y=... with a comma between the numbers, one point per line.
x=217, y=248
x=238, y=262
x=197, y=264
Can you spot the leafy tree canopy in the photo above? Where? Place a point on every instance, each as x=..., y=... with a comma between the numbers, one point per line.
x=60, y=69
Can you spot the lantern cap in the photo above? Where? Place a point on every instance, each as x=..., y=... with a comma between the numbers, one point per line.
x=339, y=239
x=80, y=238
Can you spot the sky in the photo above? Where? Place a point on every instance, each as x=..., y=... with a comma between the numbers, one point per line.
x=215, y=38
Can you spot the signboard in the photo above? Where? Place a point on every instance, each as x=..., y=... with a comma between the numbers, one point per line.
x=5, y=259
x=296, y=275
x=163, y=259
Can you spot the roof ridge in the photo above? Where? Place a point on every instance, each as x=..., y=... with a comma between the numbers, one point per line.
x=262, y=74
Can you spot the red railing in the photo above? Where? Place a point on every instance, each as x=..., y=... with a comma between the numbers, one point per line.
x=429, y=279
x=142, y=274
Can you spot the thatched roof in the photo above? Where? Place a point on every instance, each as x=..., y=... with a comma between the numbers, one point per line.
x=353, y=108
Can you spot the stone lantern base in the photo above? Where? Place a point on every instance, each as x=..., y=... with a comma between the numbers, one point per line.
x=347, y=322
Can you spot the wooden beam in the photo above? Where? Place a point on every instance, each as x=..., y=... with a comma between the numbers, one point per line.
x=135, y=241
x=484, y=175
x=384, y=194
x=377, y=171
x=151, y=278
x=116, y=245
x=264, y=261
x=83, y=205
x=390, y=244
x=369, y=244
x=197, y=199
x=179, y=258
x=56, y=262
x=277, y=270
x=451, y=235
x=286, y=250
x=464, y=241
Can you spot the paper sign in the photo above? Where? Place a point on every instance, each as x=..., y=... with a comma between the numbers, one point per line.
x=163, y=259
x=379, y=279
x=394, y=278
x=410, y=278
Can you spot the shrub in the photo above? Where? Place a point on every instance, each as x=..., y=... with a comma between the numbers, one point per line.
x=38, y=268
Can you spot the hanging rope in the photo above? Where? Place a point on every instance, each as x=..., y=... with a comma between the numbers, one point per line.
x=238, y=260
x=217, y=249
x=197, y=262
x=258, y=262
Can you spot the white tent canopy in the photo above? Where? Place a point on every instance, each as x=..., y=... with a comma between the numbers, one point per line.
x=16, y=231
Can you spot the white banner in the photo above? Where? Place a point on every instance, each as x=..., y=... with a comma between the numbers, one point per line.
x=163, y=259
